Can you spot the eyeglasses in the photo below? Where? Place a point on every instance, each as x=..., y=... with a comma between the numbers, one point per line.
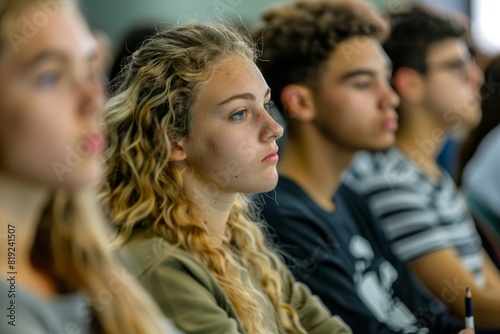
x=459, y=66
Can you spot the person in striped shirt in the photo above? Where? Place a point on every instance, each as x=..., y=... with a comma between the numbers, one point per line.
x=422, y=212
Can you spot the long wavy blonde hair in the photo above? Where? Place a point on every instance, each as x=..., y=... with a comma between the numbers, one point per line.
x=70, y=243
x=152, y=106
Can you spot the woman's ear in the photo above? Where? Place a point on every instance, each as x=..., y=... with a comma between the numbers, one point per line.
x=177, y=150
x=298, y=102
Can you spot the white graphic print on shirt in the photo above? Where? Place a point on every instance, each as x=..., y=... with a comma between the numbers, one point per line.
x=375, y=289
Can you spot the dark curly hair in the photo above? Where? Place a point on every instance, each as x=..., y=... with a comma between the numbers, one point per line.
x=414, y=30
x=298, y=38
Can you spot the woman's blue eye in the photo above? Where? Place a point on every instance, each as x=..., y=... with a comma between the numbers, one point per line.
x=238, y=116
x=48, y=79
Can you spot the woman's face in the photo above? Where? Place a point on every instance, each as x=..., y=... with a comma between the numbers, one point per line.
x=50, y=97
x=232, y=141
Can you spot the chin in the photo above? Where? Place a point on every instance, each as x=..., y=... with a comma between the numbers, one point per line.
x=262, y=185
x=472, y=118
x=380, y=145
x=272, y=181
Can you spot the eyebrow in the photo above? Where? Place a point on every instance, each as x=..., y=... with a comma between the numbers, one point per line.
x=356, y=73
x=363, y=71
x=44, y=57
x=57, y=56
x=244, y=96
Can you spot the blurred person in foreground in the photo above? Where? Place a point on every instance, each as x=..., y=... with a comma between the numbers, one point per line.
x=57, y=273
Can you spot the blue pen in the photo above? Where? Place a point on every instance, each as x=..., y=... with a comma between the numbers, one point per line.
x=469, y=319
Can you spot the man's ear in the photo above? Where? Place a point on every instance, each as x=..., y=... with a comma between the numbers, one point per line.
x=298, y=102
x=409, y=84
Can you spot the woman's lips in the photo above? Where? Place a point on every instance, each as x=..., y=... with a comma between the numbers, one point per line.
x=271, y=158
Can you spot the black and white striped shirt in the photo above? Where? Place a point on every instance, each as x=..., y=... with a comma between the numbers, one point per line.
x=418, y=215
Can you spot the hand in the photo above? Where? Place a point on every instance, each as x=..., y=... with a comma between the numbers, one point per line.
x=467, y=331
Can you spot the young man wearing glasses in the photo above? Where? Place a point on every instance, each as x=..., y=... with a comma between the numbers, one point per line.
x=422, y=213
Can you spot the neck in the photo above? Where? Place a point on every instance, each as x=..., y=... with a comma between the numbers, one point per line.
x=314, y=163
x=421, y=137
x=213, y=205
x=21, y=205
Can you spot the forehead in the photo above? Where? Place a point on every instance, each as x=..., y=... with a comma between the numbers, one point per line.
x=236, y=71
x=233, y=75
x=357, y=52
x=34, y=30
x=450, y=48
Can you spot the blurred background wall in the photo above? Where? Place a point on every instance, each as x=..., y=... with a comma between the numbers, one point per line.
x=114, y=17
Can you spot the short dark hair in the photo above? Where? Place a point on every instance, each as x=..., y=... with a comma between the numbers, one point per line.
x=298, y=38
x=413, y=31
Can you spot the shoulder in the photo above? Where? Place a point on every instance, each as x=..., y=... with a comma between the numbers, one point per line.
x=350, y=197
x=371, y=171
x=27, y=312
x=181, y=285
x=148, y=256
x=483, y=164
x=368, y=162
x=390, y=179
x=354, y=203
x=145, y=250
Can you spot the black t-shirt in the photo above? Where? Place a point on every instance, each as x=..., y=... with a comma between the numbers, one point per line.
x=344, y=259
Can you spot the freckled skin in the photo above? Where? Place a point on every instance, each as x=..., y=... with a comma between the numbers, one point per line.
x=212, y=147
x=229, y=151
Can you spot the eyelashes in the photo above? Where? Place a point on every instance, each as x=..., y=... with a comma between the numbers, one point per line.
x=241, y=114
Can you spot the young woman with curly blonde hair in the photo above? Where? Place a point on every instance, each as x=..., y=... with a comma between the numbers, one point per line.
x=190, y=132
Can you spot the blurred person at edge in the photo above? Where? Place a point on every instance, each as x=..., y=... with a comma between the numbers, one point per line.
x=57, y=273
x=423, y=214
